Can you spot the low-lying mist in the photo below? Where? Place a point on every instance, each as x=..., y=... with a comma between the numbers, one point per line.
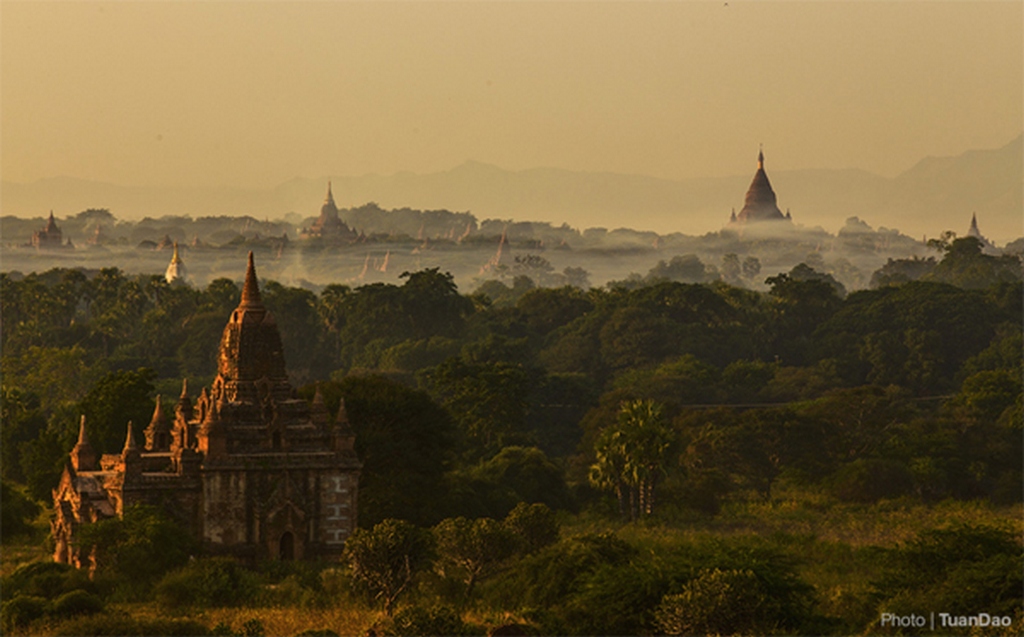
x=395, y=241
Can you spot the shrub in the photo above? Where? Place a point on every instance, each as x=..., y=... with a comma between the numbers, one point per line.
x=21, y=611
x=962, y=570
x=207, y=582
x=104, y=625
x=715, y=603
x=440, y=620
x=534, y=525
x=870, y=480
x=46, y=579
x=77, y=602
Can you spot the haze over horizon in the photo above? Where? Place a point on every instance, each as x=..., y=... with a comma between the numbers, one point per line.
x=251, y=95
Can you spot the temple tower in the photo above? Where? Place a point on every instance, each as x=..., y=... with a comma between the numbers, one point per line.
x=760, y=204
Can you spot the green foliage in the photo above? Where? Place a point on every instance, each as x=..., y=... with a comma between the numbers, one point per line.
x=138, y=548
x=962, y=570
x=76, y=602
x=438, y=620
x=48, y=580
x=533, y=525
x=207, y=582
x=686, y=268
x=118, y=625
x=21, y=610
x=405, y=443
x=800, y=303
x=917, y=335
x=964, y=265
x=22, y=421
x=472, y=550
x=513, y=475
x=716, y=602
x=489, y=402
x=631, y=457
x=387, y=558
x=117, y=399
x=602, y=586
x=18, y=512
x=557, y=572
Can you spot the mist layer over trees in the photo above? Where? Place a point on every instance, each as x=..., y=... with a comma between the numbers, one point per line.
x=394, y=241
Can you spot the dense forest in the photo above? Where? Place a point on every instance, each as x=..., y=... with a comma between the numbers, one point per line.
x=648, y=457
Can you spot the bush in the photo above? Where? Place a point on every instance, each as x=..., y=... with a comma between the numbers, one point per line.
x=139, y=547
x=440, y=620
x=962, y=570
x=18, y=512
x=870, y=480
x=77, y=602
x=46, y=579
x=207, y=582
x=21, y=611
x=715, y=603
x=534, y=525
x=105, y=625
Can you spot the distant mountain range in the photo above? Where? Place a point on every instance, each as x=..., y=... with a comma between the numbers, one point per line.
x=937, y=194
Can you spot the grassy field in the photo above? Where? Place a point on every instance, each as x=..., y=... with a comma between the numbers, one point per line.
x=836, y=547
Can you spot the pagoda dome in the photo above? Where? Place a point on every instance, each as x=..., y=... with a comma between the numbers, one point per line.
x=760, y=203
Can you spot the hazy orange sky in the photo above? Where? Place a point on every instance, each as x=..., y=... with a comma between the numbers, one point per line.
x=251, y=94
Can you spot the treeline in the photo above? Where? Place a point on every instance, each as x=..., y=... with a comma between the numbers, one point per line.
x=929, y=368
x=649, y=400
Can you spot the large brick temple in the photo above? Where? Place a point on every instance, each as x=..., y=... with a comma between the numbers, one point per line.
x=248, y=468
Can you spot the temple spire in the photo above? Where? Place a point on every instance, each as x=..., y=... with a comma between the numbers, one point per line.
x=251, y=290
x=760, y=157
x=83, y=439
x=83, y=456
x=341, y=420
x=175, y=258
x=129, y=441
x=330, y=196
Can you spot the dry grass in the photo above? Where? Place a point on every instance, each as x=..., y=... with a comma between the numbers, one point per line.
x=277, y=622
x=803, y=513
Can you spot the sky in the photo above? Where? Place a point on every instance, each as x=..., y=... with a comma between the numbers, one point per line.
x=252, y=94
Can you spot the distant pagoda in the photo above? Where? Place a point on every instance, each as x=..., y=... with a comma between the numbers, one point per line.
x=987, y=246
x=176, y=272
x=329, y=226
x=759, y=204
x=50, y=237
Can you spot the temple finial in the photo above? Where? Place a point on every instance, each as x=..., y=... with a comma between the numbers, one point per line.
x=129, y=440
x=83, y=439
x=175, y=258
x=251, y=290
x=760, y=155
x=330, y=195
